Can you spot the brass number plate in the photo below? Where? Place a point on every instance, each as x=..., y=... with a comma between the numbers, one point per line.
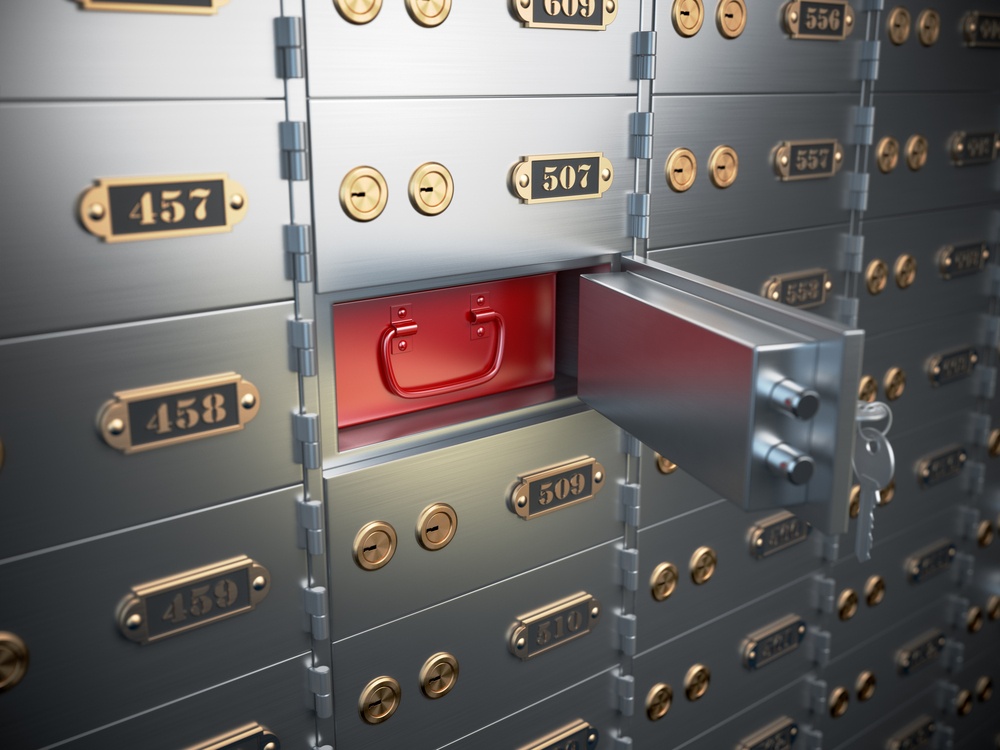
x=917, y=734
x=581, y=15
x=824, y=21
x=126, y=209
x=774, y=641
x=160, y=609
x=194, y=7
x=147, y=418
x=776, y=533
x=250, y=737
x=561, y=177
x=778, y=735
x=930, y=561
x=558, y=623
x=947, y=368
x=808, y=160
x=576, y=736
x=945, y=465
x=802, y=289
x=962, y=260
x=557, y=487
x=920, y=651
x=973, y=148
x=982, y=29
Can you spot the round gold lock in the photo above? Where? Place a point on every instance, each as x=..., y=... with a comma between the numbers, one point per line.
x=374, y=545
x=916, y=152
x=905, y=271
x=665, y=465
x=894, y=383
x=723, y=165
x=847, y=604
x=658, y=701
x=867, y=389
x=436, y=526
x=928, y=27
x=439, y=675
x=876, y=276
x=984, y=689
x=838, y=702
x=887, y=154
x=898, y=25
x=984, y=533
x=854, y=502
x=702, y=565
x=363, y=193
x=888, y=493
x=696, y=682
x=864, y=687
x=974, y=619
x=731, y=18
x=358, y=11
x=379, y=700
x=681, y=169
x=688, y=16
x=428, y=13
x=663, y=581
x=431, y=188
x=13, y=660
x=874, y=590
x=994, y=442
x=963, y=703
x=993, y=608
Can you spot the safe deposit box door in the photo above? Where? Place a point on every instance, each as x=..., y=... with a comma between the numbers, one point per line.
x=754, y=400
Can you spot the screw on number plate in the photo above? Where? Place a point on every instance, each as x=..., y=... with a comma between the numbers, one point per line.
x=874, y=465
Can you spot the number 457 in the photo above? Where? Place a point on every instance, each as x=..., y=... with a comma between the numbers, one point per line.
x=171, y=209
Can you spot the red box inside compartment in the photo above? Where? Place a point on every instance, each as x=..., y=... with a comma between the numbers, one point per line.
x=400, y=354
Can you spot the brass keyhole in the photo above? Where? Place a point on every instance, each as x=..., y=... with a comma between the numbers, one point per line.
x=874, y=590
x=887, y=154
x=905, y=271
x=928, y=27
x=13, y=660
x=839, y=700
x=723, y=165
x=358, y=11
x=374, y=545
x=894, y=383
x=867, y=389
x=993, y=608
x=431, y=189
x=663, y=581
x=854, y=502
x=847, y=604
x=363, y=193
x=731, y=18
x=379, y=700
x=984, y=688
x=887, y=494
x=963, y=703
x=428, y=13
x=984, y=533
x=702, y=565
x=666, y=466
x=916, y=152
x=436, y=526
x=688, y=16
x=898, y=25
x=658, y=701
x=438, y=675
x=681, y=169
x=974, y=619
x=696, y=682
x=876, y=276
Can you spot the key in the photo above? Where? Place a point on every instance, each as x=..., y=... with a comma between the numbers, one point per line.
x=874, y=465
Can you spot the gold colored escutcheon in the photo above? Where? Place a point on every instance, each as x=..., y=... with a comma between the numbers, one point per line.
x=431, y=188
x=438, y=675
x=195, y=8
x=358, y=11
x=379, y=700
x=688, y=16
x=374, y=545
x=838, y=702
x=916, y=152
x=658, y=701
x=702, y=565
x=565, y=14
x=928, y=27
x=723, y=166
x=827, y=20
x=436, y=526
x=898, y=25
x=581, y=176
x=14, y=660
x=663, y=581
x=681, y=169
x=696, y=682
x=887, y=154
x=731, y=18
x=428, y=13
x=258, y=736
x=364, y=193
x=876, y=276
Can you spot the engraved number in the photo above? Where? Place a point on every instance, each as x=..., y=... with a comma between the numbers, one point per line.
x=566, y=177
x=570, y=7
x=802, y=291
x=561, y=488
x=185, y=417
x=810, y=159
x=562, y=624
x=224, y=595
x=822, y=19
x=172, y=210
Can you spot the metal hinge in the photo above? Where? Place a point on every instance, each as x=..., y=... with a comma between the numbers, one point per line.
x=625, y=690
x=642, y=135
x=827, y=548
x=306, y=430
x=813, y=738
x=295, y=144
x=846, y=310
x=321, y=686
x=317, y=605
x=620, y=743
x=873, y=6
x=310, y=513
x=818, y=646
x=288, y=37
x=645, y=55
x=823, y=592
x=955, y=610
x=627, y=626
x=852, y=251
x=962, y=568
x=298, y=244
x=978, y=430
x=815, y=695
x=630, y=445
x=628, y=561
x=973, y=477
x=630, y=504
x=638, y=215
x=303, y=337
x=954, y=655
x=858, y=191
x=984, y=382
x=989, y=331
x=944, y=737
x=869, y=60
x=864, y=126
x=993, y=280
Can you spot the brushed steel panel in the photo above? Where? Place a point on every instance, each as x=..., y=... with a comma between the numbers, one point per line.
x=57, y=51
x=888, y=725
x=62, y=148
x=668, y=496
x=939, y=184
x=274, y=698
x=947, y=65
x=747, y=263
x=763, y=59
x=66, y=483
x=492, y=682
x=485, y=228
x=732, y=689
x=738, y=577
x=479, y=50
x=910, y=349
x=758, y=202
x=62, y=603
x=930, y=297
x=491, y=542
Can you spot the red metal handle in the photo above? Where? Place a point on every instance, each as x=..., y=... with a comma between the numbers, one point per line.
x=447, y=386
